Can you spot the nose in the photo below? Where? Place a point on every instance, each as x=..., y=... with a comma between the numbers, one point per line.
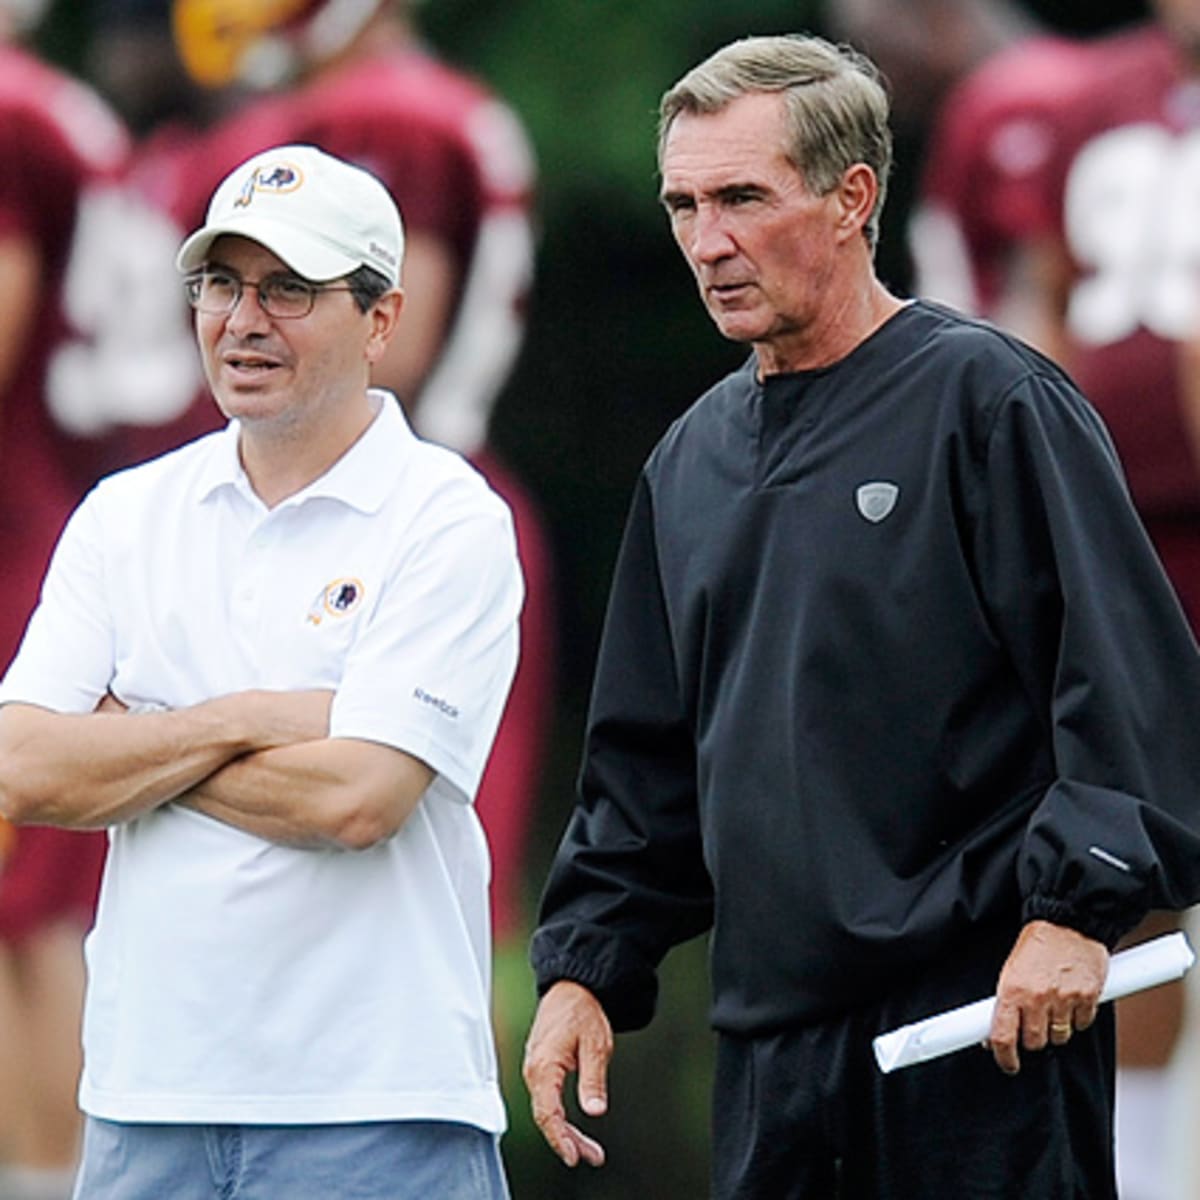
x=248, y=314
x=709, y=239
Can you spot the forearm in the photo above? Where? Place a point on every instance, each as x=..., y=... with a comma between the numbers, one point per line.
x=89, y=771
x=97, y=769
x=332, y=792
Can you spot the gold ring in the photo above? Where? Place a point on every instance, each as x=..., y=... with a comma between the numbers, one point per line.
x=1061, y=1028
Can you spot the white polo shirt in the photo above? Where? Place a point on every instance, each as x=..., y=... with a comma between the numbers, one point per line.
x=232, y=979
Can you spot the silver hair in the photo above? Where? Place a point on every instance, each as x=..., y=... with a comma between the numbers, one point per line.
x=836, y=102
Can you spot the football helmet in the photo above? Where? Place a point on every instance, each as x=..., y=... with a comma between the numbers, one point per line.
x=263, y=42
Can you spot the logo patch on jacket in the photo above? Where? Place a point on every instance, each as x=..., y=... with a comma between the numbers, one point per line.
x=338, y=599
x=876, y=500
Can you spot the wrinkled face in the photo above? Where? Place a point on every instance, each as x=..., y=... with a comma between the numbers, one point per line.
x=759, y=243
x=290, y=372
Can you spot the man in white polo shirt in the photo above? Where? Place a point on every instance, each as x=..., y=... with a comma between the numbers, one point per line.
x=272, y=663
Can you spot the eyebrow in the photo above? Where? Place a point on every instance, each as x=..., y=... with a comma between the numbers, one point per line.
x=727, y=191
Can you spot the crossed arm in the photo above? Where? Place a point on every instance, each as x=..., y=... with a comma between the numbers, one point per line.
x=259, y=760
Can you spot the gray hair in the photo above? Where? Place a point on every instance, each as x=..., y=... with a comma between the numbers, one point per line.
x=836, y=103
x=367, y=286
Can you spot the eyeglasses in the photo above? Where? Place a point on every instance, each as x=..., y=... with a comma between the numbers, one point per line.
x=283, y=296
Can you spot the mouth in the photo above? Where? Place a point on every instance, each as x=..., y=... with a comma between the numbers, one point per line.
x=250, y=365
x=730, y=290
x=721, y=287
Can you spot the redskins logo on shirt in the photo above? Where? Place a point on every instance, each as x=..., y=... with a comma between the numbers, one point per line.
x=336, y=600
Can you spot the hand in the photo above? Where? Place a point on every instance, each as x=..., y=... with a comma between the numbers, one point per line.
x=267, y=719
x=1049, y=987
x=570, y=1033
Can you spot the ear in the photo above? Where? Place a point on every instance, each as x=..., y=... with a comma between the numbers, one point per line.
x=385, y=318
x=856, y=195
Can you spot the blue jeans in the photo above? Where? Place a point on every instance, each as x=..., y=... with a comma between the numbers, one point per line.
x=401, y=1160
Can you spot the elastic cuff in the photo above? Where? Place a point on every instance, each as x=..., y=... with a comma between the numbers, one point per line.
x=549, y=971
x=1059, y=912
x=628, y=1000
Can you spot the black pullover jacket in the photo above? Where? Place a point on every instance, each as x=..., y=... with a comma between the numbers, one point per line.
x=888, y=663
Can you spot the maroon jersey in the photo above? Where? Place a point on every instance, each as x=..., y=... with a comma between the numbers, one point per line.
x=1116, y=183
x=984, y=184
x=459, y=166
x=57, y=140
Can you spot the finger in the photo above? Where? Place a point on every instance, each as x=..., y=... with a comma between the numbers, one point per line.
x=1085, y=1015
x=545, y=1086
x=1062, y=1025
x=1035, y=1028
x=571, y=1145
x=1035, y=1035
x=587, y=1149
x=1006, y=1056
x=558, y=1134
x=1006, y=1024
x=594, y=1055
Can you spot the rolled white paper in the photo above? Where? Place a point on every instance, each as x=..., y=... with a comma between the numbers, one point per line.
x=1145, y=966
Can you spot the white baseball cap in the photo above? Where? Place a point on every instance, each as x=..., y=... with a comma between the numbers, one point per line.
x=320, y=215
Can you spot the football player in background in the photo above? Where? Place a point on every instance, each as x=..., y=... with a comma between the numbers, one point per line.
x=923, y=48
x=1059, y=199
x=57, y=139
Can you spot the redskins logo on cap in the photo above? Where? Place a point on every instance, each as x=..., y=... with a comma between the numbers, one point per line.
x=337, y=599
x=277, y=177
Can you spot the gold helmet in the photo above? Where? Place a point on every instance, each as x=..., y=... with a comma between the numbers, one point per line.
x=262, y=42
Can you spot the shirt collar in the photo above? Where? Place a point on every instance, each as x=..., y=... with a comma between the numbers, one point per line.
x=362, y=478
